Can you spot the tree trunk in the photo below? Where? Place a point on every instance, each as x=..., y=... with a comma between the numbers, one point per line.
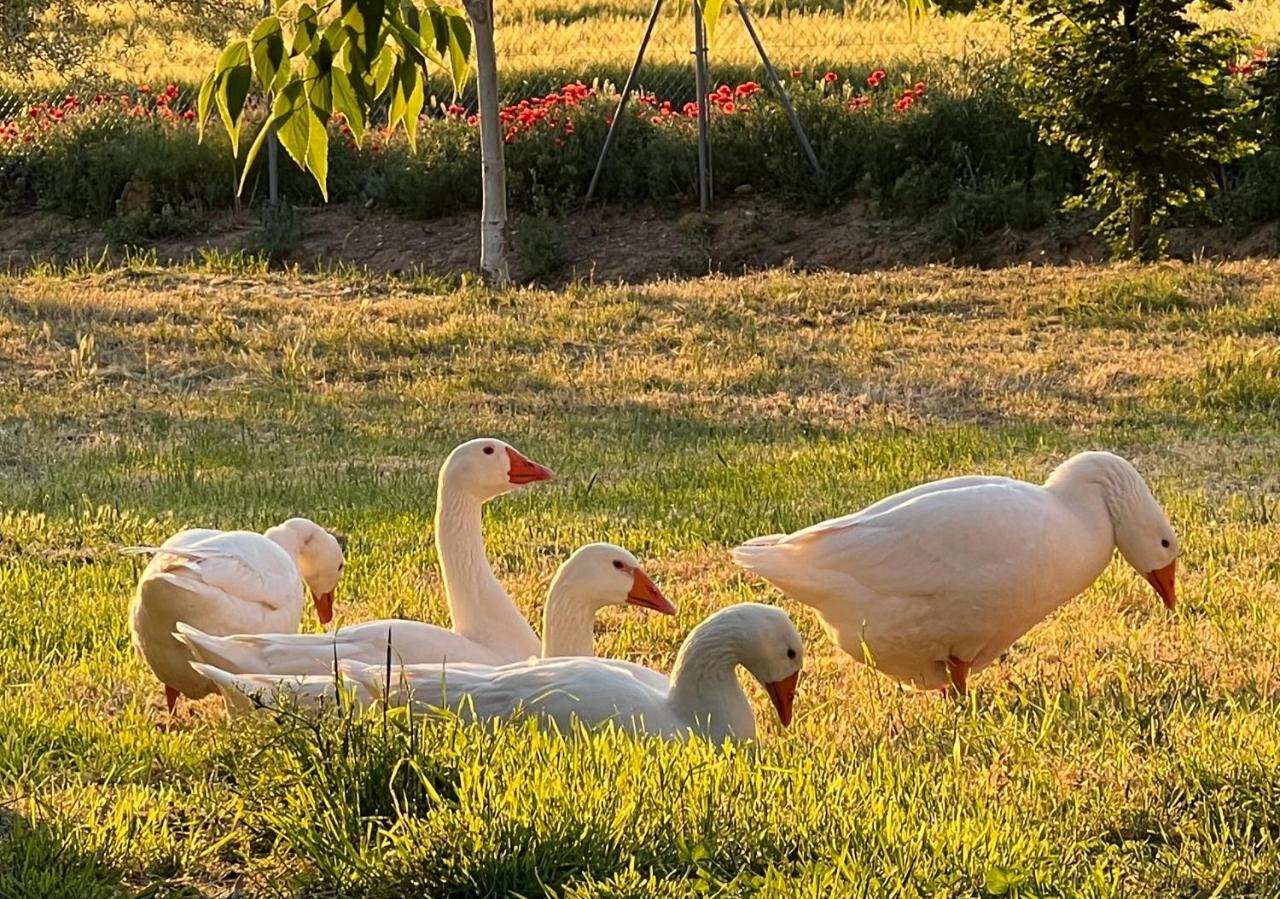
x=493, y=214
x=1141, y=239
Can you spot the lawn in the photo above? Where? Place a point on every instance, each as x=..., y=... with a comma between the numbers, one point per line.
x=1118, y=750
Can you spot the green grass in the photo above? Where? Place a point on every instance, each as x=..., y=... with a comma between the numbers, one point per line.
x=1118, y=750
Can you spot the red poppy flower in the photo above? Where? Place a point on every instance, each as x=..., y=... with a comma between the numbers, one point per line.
x=831, y=78
x=144, y=88
x=728, y=108
x=189, y=115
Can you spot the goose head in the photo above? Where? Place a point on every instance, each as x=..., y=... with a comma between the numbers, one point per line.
x=1143, y=533
x=607, y=575
x=486, y=468
x=760, y=638
x=1147, y=541
x=772, y=650
x=320, y=562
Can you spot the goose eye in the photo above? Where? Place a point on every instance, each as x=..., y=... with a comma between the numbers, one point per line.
x=618, y=564
x=791, y=653
x=488, y=451
x=1164, y=543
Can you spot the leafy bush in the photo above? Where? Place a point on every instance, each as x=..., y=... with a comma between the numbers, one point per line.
x=1139, y=91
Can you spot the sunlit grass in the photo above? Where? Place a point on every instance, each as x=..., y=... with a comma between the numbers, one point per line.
x=1116, y=751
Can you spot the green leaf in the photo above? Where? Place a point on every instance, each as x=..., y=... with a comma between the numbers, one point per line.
x=384, y=66
x=203, y=100
x=232, y=89
x=319, y=69
x=346, y=100
x=249, y=157
x=307, y=24
x=459, y=48
x=422, y=43
x=407, y=100
x=711, y=10
x=318, y=154
x=292, y=114
x=266, y=45
x=439, y=29
x=235, y=54
x=373, y=12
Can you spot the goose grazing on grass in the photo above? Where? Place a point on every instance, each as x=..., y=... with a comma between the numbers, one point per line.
x=487, y=627
x=937, y=581
x=703, y=696
x=228, y=582
x=597, y=575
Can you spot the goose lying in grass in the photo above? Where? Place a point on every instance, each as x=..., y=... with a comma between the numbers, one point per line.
x=937, y=581
x=596, y=576
x=487, y=626
x=703, y=696
x=228, y=582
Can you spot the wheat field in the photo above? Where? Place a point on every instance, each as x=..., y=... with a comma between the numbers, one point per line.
x=143, y=43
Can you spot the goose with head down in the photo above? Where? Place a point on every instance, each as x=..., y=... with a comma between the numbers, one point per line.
x=703, y=696
x=228, y=582
x=936, y=582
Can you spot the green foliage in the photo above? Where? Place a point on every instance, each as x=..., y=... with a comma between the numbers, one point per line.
x=102, y=165
x=1139, y=91
x=339, y=56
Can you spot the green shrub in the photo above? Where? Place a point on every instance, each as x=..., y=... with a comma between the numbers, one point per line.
x=1140, y=92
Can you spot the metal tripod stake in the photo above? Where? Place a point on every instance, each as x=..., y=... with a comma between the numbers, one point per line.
x=701, y=79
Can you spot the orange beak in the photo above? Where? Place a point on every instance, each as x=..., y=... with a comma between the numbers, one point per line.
x=1162, y=579
x=324, y=606
x=524, y=470
x=783, y=694
x=645, y=594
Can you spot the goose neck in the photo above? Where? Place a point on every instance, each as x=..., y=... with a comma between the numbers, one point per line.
x=568, y=623
x=287, y=539
x=480, y=608
x=704, y=679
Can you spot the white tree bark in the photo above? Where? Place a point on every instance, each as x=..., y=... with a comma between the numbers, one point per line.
x=493, y=214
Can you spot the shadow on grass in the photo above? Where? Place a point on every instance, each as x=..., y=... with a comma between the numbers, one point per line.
x=36, y=863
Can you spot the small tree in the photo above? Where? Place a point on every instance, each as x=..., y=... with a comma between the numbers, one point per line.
x=1139, y=91
x=351, y=57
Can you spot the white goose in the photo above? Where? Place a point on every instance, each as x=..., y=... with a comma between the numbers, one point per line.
x=228, y=582
x=703, y=696
x=597, y=575
x=487, y=626
x=939, y=580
